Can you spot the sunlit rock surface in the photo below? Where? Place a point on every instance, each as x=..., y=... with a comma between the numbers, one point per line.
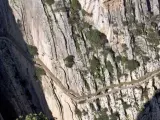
x=87, y=45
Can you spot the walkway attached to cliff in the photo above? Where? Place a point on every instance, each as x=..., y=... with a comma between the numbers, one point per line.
x=111, y=89
x=85, y=98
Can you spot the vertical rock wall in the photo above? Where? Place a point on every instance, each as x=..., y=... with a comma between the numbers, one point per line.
x=107, y=43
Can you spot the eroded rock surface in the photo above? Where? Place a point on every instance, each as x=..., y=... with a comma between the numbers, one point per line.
x=85, y=46
x=20, y=92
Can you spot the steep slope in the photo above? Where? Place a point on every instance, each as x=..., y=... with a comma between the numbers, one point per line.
x=87, y=45
x=20, y=93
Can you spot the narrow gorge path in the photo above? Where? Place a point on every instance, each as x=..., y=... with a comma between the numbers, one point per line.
x=75, y=96
x=111, y=89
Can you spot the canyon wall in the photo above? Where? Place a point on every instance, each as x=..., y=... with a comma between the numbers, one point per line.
x=101, y=57
x=20, y=92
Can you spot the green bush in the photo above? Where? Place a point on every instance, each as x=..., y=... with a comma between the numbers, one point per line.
x=94, y=65
x=145, y=59
x=102, y=115
x=39, y=116
x=60, y=9
x=113, y=116
x=87, y=85
x=124, y=60
x=119, y=73
x=83, y=25
x=138, y=50
x=158, y=75
x=145, y=94
x=139, y=29
x=117, y=59
x=132, y=64
x=74, y=17
x=154, y=24
x=115, y=32
x=109, y=67
x=84, y=112
x=124, y=46
x=75, y=5
x=32, y=50
x=125, y=105
x=157, y=57
x=125, y=23
x=69, y=61
x=92, y=107
x=96, y=38
x=78, y=112
x=153, y=37
x=129, y=64
x=39, y=72
x=50, y=2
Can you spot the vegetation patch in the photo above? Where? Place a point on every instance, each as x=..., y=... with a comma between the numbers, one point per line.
x=96, y=38
x=113, y=116
x=92, y=107
x=153, y=37
x=109, y=67
x=125, y=48
x=102, y=115
x=118, y=59
x=125, y=23
x=83, y=73
x=145, y=59
x=39, y=73
x=129, y=64
x=75, y=5
x=125, y=105
x=132, y=65
x=138, y=50
x=74, y=12
x=32, y=50
x=139, y=29
x=94, y=65
x=78, y=112
x=39, y=116
x=60, y=9
x=119, y=73
x=50, y=2
x=69, y=61
x=158, y=76
x=84, y=112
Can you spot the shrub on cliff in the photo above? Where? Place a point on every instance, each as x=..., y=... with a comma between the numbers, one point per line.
x=78, y=112
x=132, y=65
x=39, y=73
x=96, y=38
x=32, y=50
x=39, y=116
x=50, y=2
x=94, y=65
x=69, y=61
x=102, y=115
x=109, y=67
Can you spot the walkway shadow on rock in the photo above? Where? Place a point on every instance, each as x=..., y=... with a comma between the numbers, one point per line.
x=151, y=110
x=20, y=93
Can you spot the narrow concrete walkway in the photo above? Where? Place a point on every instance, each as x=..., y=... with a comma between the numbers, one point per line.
x=85, y=98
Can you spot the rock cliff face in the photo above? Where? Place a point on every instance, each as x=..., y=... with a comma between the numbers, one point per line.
x=101, y=57
x=20, y=94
